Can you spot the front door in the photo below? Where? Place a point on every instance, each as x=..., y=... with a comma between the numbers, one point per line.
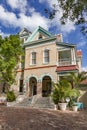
x=33, y=86
x=46, y=86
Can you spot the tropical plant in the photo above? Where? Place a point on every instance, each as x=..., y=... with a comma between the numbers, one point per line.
x=73, y=96
x=76, y=78
x=62, y=90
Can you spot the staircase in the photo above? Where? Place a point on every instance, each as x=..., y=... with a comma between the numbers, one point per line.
x=36, y=102
x=43, y=102
x=25, y=103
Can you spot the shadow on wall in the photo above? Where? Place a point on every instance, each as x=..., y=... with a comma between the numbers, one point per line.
x=83, y=97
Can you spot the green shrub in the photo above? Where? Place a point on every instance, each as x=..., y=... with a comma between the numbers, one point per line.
x=11, y=96
x=62, y=90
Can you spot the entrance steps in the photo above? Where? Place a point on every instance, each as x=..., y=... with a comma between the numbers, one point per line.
x=36, y=102
x=26, y=102
x=43, y=102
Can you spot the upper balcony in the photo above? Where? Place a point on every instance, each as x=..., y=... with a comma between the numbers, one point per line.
x=66, y=57
x=66, y=62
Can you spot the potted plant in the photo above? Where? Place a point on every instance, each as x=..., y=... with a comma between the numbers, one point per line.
x=63, y=91
x=74, y=94
x=60, y=93
x=75, y=107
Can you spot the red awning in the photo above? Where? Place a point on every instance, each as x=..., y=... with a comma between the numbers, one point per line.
x=66, y=68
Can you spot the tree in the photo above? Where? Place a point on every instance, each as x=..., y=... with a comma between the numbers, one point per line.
x=74, y=10
x=77, y=78
x=10, y=52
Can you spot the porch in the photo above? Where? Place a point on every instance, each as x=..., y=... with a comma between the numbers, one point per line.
x=66, y=57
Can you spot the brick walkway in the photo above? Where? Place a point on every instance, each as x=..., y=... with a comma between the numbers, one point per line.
x=39, y=119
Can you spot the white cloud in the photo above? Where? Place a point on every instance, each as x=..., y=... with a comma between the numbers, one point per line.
x=18, y=4
x=84, y=68
x=35, y=19
x=49, y=2
x=68, y=27
x=82, y=42
x=7, y=18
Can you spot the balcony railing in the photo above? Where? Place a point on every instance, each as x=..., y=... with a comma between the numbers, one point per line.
x=65, y=62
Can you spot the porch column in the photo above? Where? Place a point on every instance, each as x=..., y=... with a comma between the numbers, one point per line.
x=39, y=88
x=26, y=88
x=73, y=56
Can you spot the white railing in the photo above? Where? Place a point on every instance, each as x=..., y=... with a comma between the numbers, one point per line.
x=64, y=62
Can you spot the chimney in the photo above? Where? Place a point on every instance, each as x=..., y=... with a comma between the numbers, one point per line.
x=59, y=38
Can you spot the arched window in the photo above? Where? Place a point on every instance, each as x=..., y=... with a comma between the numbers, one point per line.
x=46, y=56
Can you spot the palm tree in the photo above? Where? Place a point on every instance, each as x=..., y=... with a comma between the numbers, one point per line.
x=62, y=90
x=77, y=78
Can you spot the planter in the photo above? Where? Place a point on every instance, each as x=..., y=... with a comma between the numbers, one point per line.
x=55, y=107
x=62, y=106
x=75, y=108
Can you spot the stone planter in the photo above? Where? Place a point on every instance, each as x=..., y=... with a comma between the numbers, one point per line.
x=75, y=108
x=62, y=106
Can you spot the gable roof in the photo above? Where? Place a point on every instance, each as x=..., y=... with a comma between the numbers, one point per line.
x=38, y=29
x=24, y=32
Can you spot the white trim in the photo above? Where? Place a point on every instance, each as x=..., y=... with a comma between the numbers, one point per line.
x=63, y=49
x=44, y=56
x=42, y=76
x=31, y=57
x=49, y=43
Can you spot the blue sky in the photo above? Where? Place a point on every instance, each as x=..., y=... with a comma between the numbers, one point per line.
x=17, y=14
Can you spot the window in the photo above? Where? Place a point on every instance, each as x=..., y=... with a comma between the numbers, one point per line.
x=46, y=56
x=21, y=86
x=33, y=58
x=40, y=36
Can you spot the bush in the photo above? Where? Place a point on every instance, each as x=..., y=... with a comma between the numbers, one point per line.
x=11, y=96
x=62, y=90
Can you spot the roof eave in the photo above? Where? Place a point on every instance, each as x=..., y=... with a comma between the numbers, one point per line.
x=66, y=44
x=39, y=41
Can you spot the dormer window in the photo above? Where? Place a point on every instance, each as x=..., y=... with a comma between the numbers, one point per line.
x=40, y=36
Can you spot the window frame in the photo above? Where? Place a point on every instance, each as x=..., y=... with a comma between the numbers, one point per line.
x=46, y=56
x=33, y=58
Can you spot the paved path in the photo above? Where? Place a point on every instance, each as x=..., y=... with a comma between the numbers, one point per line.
x=39, y=119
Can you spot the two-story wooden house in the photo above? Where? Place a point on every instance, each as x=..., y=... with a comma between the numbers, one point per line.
x=47, y=59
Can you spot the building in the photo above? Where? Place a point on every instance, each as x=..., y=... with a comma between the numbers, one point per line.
x=47, y=59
